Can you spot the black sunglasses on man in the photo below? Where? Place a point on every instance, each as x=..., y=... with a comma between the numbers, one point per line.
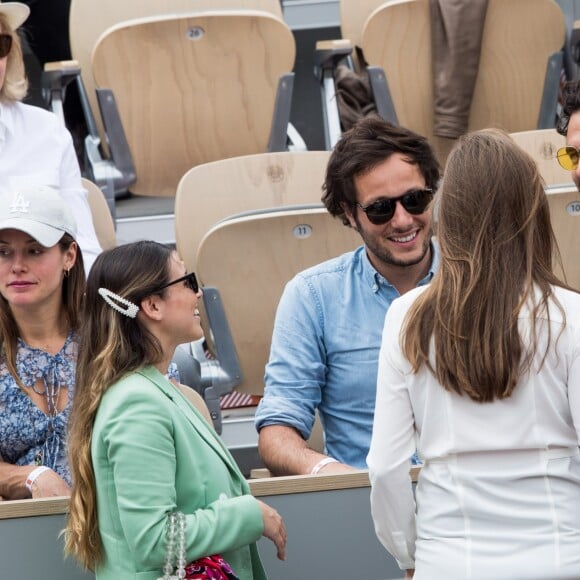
x=383, y=210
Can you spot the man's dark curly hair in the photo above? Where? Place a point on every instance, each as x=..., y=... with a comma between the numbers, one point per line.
x=570, y=104
x=370, y=142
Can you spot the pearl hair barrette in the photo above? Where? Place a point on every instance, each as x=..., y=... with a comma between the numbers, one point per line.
x=119, y=303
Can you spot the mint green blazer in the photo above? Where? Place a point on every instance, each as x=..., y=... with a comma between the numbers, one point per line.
x=152, y=454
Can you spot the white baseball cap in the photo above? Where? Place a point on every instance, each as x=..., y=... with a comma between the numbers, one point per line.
x=15, y=12
x=38, y=211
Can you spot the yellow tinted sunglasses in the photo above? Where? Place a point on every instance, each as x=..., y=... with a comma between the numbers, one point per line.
x=568, y=157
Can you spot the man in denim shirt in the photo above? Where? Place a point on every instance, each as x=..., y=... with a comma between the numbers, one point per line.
x=380, y=180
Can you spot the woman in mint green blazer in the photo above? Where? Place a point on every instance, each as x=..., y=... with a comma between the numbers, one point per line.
x=138, y=449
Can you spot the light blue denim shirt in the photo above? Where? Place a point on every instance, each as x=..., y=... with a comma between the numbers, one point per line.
x=325, y=350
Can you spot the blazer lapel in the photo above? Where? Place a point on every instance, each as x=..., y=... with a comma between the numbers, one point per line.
x=197, y=421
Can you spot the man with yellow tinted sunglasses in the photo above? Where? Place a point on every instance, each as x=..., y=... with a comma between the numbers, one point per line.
x=569, y=126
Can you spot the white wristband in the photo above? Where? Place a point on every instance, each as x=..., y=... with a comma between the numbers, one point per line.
x=32, y=476
x=322, y=463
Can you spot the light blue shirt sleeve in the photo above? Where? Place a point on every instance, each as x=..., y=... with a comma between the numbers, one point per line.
x=296, y=371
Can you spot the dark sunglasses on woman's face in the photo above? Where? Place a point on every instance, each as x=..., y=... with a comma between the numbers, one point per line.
x=5, y=44
x=381, y=211
x=189, y=279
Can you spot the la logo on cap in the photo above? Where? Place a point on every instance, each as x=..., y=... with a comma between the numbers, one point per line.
x=19, y=204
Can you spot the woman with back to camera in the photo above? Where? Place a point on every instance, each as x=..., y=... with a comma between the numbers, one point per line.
x=141, y=451
x=483, y=366
x=35, y=147
x=42, y=281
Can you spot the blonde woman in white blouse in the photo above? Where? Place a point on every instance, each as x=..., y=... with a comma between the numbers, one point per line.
x=481, y=370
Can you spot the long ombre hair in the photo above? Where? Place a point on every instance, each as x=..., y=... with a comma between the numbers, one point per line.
x=15, y=84
x=497, y=247
x=111, y=346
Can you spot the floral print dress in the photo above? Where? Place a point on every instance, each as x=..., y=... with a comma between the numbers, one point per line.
x=28, y=435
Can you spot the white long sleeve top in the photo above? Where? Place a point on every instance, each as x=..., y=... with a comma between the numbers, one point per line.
x=35, y=148
x=542, y=414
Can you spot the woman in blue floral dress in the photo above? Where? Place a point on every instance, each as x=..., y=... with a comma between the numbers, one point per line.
x=42, y=282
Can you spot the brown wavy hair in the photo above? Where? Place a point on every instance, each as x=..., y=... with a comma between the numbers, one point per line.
x=497, y=247
x=111, y=345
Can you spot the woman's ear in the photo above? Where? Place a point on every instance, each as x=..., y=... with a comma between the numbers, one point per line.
x=70, y=256
x=152, y=307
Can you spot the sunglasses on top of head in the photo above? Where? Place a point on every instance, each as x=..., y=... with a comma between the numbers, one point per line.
x=568, y=157
x=5, y=44
x=189, y=279
x=383, y=210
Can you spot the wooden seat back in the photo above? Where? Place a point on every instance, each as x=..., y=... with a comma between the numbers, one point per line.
x=542, y=145
x=353, y=15
x=250, y=259
x=214, y=191
x=519, y=36
x=193, y=88
x=102, y=218
x=89, y=19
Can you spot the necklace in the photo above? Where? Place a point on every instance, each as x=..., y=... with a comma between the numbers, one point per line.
x=49, y=449
x=38, y=456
